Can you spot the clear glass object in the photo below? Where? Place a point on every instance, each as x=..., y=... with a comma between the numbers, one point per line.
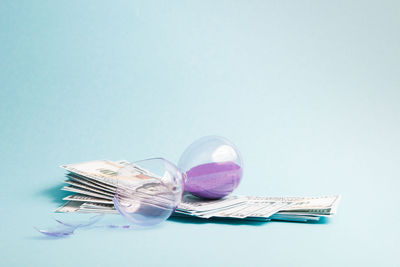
x=68, y=223
x=213, y=167
x=148, y=191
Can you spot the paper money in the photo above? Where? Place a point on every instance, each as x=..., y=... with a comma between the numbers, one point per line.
x=89, y=199
x=94, y=185
x=85, y=192
x=102, y=171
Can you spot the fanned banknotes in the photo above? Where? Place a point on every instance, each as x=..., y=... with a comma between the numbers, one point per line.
x=93, y=185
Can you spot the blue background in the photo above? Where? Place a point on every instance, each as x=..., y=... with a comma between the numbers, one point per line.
x=308, y=90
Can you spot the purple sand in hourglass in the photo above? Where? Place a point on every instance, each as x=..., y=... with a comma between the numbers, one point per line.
x=213, y=180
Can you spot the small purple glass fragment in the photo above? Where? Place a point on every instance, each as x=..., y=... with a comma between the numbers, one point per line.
x=213, y=180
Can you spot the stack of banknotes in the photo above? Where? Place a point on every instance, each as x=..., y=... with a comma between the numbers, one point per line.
x=93, y=185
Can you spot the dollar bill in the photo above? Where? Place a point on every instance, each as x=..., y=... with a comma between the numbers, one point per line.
x=103, y=171
x=88, y=199
x=90, y=188
x=85, y=192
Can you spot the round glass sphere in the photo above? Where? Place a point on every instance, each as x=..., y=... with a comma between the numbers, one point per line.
x=213, y=167
x=148, y=191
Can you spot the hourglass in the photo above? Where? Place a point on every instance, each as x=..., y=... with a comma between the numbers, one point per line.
x=149, y=191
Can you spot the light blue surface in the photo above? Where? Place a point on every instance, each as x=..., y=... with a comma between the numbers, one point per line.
x=308, y=90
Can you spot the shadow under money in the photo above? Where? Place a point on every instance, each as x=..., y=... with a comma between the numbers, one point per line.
x=54, y=193
x=194, y=220
x=191, y=220
x=322, y=220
